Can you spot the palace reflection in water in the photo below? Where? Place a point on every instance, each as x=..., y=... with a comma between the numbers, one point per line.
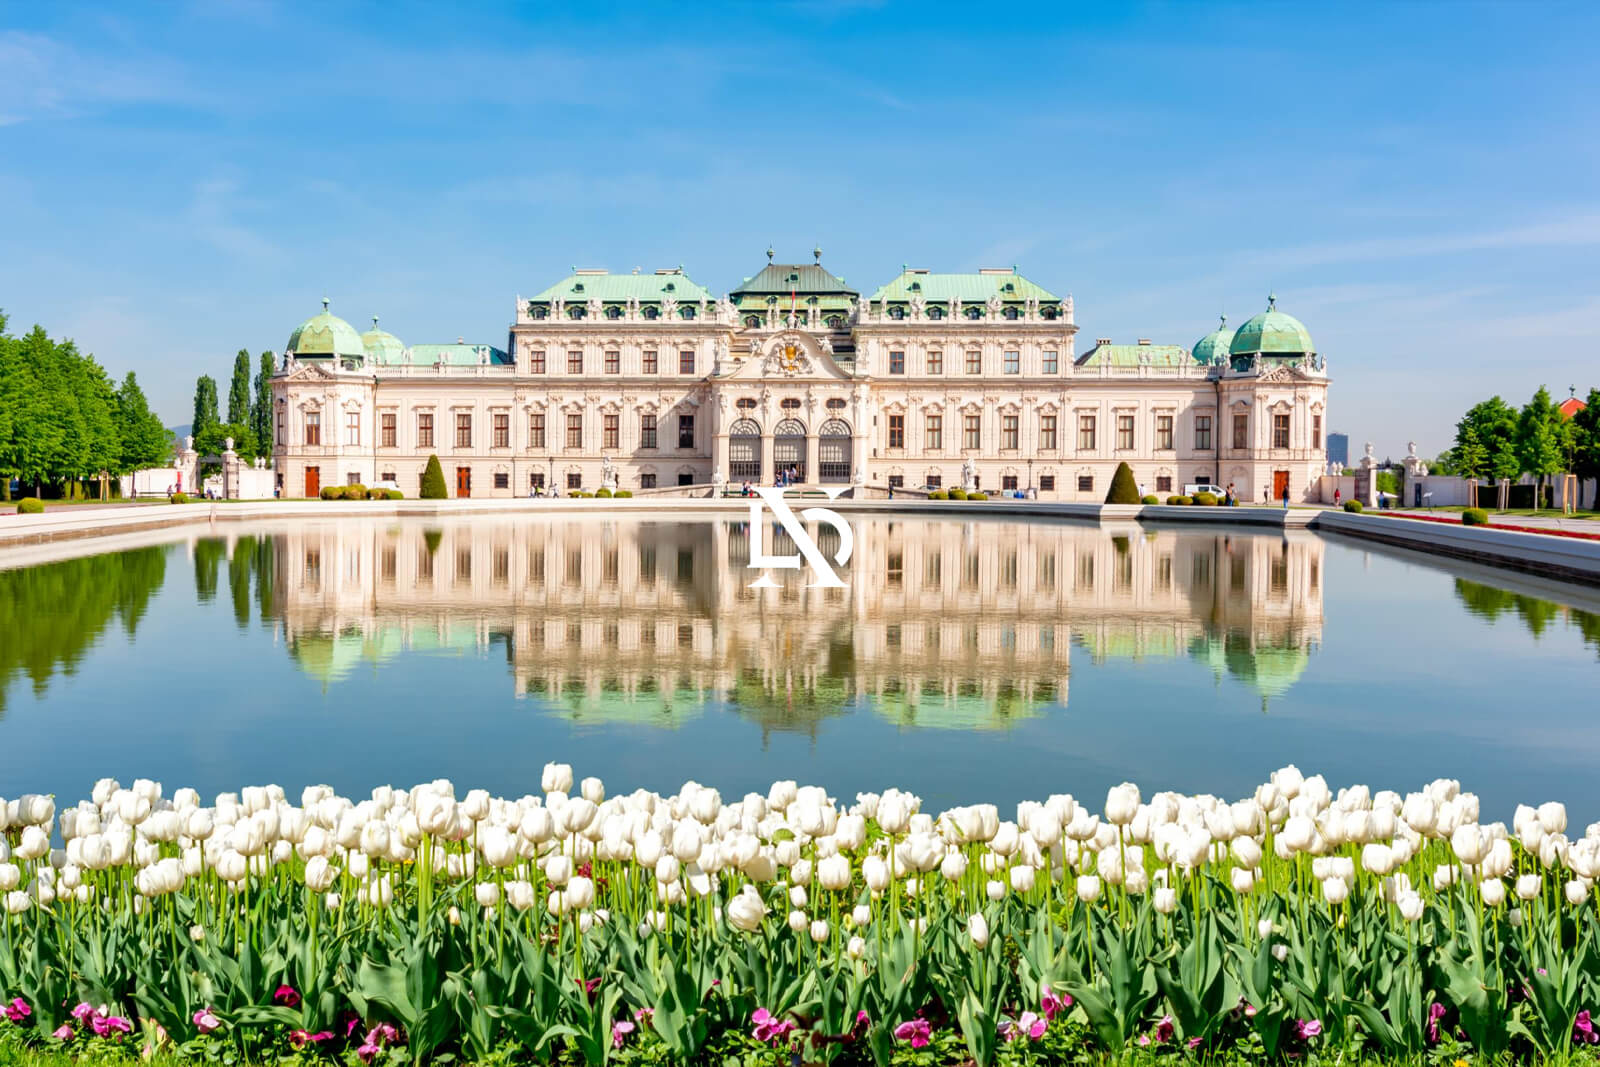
x=953, y=624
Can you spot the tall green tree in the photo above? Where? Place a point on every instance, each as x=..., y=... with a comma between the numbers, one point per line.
x=205, y=406
x=1585, y=432
x=1493, y=425
x=143, y=438
x=261, y=409
x=239, y=389
x=1540, y=441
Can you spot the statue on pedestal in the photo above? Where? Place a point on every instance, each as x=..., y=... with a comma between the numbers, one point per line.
x=969, y=475
x=608, y=474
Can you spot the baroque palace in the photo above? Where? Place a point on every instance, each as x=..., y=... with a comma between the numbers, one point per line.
x=651, y=383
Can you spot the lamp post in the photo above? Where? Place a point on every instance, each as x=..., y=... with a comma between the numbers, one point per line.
x=1030, y=476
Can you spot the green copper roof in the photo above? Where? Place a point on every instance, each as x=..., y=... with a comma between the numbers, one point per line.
x=968, y=288
x=456, y=355
x=1136, y=356
x=382, y=347
x=1271, y=332
x=325, y=335
x=802, y=279
x=620, y=288
x=1213, y=347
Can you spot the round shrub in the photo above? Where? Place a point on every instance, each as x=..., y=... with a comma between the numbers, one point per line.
x=977, y=496
x=179, y=498
x=623, y=493
x=939, y=494
x=332, y=492
x=385, y=494
x=584, y=493
x=355, y=492
x=30, y=505
x=1353, y=506
x=603, y=493
x=1475, y=517
x=958, y=494
x=1208, y=500
x=1177, y=500
x=1150, y=499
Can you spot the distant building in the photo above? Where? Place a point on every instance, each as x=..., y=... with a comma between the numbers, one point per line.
x=1570, y=407
x=1339, y=449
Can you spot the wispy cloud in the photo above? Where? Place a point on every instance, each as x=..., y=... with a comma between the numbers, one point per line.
x=41, y=78
x=1576, y=231
x=213, y=217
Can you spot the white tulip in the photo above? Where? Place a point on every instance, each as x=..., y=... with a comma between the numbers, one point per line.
x=995, y=890
x=1122, y=804
x=558, y=868
x=487, y=894
x=580, y=892
x=798, y=922
x=819, y=930
x=1164, y=900
x=861, y=915
x=1335, y=890
x=856, y=948
x=1576, y=892
x=797, y=896
x=953, y=867
x=1022, y=878
x=320, y=874
x=667, y=870
x=557, y=778
x=978, y=930
x=1528, y=887
x=1553, y=817
x=1088, y=888
x=1494, y=892
x=1247, y=851
x=876, y=873
x=834, y=873
x=746, y=910
x=593, y=790
x=10, y=877
x=1244, y=880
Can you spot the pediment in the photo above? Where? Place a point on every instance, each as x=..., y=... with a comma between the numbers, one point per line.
x=790, y=356
x=310, y=372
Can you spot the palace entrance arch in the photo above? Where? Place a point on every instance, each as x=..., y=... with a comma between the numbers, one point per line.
x=744, y=451
x=789, y=447
x=833, y=453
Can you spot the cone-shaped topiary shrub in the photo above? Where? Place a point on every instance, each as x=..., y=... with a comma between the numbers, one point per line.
x=433, y=487
x=1124, y=490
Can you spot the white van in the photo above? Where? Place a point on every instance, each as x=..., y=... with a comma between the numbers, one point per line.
x=1201, y=487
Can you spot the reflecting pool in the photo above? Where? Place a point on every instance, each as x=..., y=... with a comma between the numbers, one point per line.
x=978, y=659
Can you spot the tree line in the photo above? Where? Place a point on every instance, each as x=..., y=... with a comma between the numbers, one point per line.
x=63, y=421
x=1495, y=440
x=249, y=410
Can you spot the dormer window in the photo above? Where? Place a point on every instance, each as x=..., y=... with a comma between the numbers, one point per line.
x=915, y=287
x=897, y=313
x=686, y=313
x=576, y=311
x=974, y=313
x=577, y=287
x=936, y=313
x=652, y=312
x=752, y=320
x=1008, y=288
x=1011, y=313
x=669, y=288
x=540, y=312
x=1049, y=314
x=613, y=313
x=835, y=321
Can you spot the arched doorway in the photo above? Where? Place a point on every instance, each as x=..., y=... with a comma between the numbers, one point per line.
x=833, y=451
x=789, y=447
x=744, y=451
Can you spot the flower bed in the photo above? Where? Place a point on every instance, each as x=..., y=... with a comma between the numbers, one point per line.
x=1493, y=525
x=580, y=928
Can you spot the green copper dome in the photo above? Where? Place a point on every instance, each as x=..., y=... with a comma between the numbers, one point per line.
x=1272, y=333
x=382, y=347
x=326, y=336
x=1213, y=347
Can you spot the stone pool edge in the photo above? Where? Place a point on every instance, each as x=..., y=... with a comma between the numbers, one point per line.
x=1565, y=558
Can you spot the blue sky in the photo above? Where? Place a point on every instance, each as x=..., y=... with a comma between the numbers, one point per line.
x=1418, y=182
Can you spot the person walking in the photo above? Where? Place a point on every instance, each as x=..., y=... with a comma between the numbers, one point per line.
x=1285, y=496
x=1336, y=497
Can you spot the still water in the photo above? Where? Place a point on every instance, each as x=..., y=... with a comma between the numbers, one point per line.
x=967, y=660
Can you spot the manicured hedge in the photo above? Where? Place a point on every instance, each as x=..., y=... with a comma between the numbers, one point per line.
x=977, y=496
x=1206, y=499
x=433, y=487
x=1179, y=500
x=602, y=493
x=1150, y=498
x=1352, y=505
x=179, y=498
x=1124, y=490
x=30, y=505
x=958, y=494
x=939, y=494
x=1475, y=517
x=331, y=492
x=623, y=493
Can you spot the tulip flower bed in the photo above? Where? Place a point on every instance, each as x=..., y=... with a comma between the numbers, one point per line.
x=575, y=928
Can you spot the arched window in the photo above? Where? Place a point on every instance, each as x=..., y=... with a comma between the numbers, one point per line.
x=974, y=313
x=686, y=312
x=1011, y=313
x=833, y=451
x=752, y=320
x=936, y=313
x=540, y=311
x=613, y=312
x=744, y=450
x=576, y=311
x=835, y=321
x=789, y=447
x=652, y=312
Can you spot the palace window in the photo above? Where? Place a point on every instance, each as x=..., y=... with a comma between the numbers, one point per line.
x=575, y=362
x=974, y=313
x=1164, y=431
x=613, y=362
x=897, y=481
x=613, y=312
x=935, y=362
x=686, y=312
x=935, y=481
x=1047, y=483
x=897, y=362
x=647, y=481
x=1085, y=433
x=574, y=481
x=1202, y=432
x=745, y=404
x=386, y=427
x=1124, y=432
x=1085, y=483
x=1008, y=482
x=897, y=312
x=1010, y=313
x=685, y=478
x=612, y=430
x=502, y=429
x=647, y=431
x=352, y=427
x=1316, y=431
x=425, y=429
x=280, y=438
x=789, y=405
x=536, y=430
x=536, y=361
x=652, y=312
x=1049, y=366
x=575, y=430
x=1280, y=431
x=972, y=431
x=1047, y=433
x=650, y=362
x=502, y=480
x=686, y=431
x=686, y=362
x=576, y=311
x=752, y=321
x=313, y=427
x=1163, y=483
x=934, y=434
x=463, y=429
x=1013, y=362
x=1241, y=430
x=897, y=431
x=974, y=362
x=536, y=482
x=936, y=312
x=1008, y=431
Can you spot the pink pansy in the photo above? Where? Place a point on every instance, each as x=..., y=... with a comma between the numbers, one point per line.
x=286, y=995
x=1052, y=1005
x=1033, y=1025
x=84, y=1011
x=1583, y=1031
x=368, y=1052
x=916, y=1031
x=1144, y=1040
x=1165, y=1030
x=645, y=1014
x=620, y=1031
x=18, y=1010
x=63, y=1032
x=1306, y=1029
x=106, y=1025
x=206, y=1021
x=769, y=1027
x=382, y=1034
x=1436, y=1011
x=302, y=1038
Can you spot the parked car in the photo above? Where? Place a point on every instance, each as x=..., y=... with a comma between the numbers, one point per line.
x=1202, y=487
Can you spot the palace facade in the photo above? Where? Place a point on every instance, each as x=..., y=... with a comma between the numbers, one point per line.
x=931, y=380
